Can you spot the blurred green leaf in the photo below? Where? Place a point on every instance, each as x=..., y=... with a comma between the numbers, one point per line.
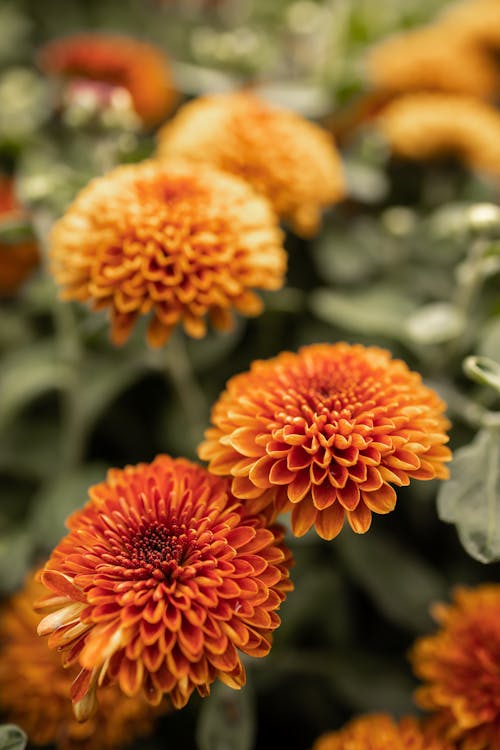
x=435, y=323
x=226, y=720
x=12, y=738
x=471, y=497
x=484, y=371
x=488, y=344
x=32, y=449
x=16, y=547
x=401, y=584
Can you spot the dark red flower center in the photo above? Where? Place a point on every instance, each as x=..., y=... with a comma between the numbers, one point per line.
x=158, y=549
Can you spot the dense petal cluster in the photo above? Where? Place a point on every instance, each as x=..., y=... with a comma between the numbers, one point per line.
x=18, y=258
x=178, y=240
x=421, y=60
x=327, y=432
x=290, y=160
x=426, y=126
x=381, y=732
x=120, y=61
x=35, y=689
x=160, y=582
x=460, y=666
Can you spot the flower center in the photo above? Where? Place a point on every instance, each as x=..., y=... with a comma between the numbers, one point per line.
x=159, y=549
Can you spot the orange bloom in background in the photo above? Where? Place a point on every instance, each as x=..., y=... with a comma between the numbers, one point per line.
x=475, y=21
x=35, y=689
x=18, y=259
x=381, y=732
x=178, y=240
x=326, y=432
x=125, y=63
x=460, y=667
x=291, y=161
x=430, y=125
x=434, y=59
x=160, y=582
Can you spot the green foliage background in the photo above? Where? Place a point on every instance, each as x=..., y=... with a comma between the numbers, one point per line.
x=409, y=262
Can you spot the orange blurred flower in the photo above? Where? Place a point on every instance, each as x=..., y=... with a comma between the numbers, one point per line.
x=123, y=62
x=160, y=582
x=433, y=59
x=35, y=689
x=326, y=432
x=380, y=732
x=18, y=259
x=291, y=161
x=475, y=21
x=460, y=665
x=430, y=125
x=180, y=240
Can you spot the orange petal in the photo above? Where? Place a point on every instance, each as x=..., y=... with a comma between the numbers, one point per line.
x=329, y=521
x=360, y=518
x=303, y=517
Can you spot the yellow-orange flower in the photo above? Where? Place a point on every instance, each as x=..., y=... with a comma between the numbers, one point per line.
x=35, y=689
x=120, y=61
x=327, y=432
x=290, y=160
x=432, y=59
x=475, y=21
x=381, y=732
x=426, y=125
x=161, y=580
x=460, y=666
x=18, y=259
x=180, y=240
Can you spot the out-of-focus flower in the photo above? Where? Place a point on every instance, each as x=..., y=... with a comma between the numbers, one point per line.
x=180, y=240
x=18, y=257
x=122, y=62
x=474, y=21
x=430, y=59
x=460, y=666
x=430, y=125
x=381, y=732
x=290, y=160
x=161, y=580
x=35, y=689
x=327, y=432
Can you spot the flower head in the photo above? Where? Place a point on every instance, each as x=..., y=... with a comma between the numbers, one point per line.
x=380, y=732
x=290, y=160
x=122, y=62
x=477, y=22
x=432, y=59
x=460, y=666
x=429, y=125
x=18, y=258
x=176, y=239
x=35, y=689
x=327, y=432
x=160, y=582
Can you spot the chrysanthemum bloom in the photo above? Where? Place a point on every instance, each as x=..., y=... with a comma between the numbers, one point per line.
x=179, y=240
x=475, y=21
x=327, y=432
x=35, y=689
x=18, y=258
x=291, y=161
x=381, y=732
x=430, y=125
x=460, y=666
x=123, y=62
x=430, y=59
x=161, y=580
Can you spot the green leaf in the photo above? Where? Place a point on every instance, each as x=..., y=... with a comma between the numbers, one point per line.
x=471, y=497
x=483, y=370
x=401, y=584
x=12, y=738
x=435, y=323
x=489, y=339
x=226, y=720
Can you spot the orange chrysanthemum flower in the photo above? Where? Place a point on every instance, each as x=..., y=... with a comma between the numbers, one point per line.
x=326, y=432
x=426, y=126
x=431, y=59
x=290, y=160
x=123, y=62
x=176, y=239
x=161, y=580
x=460, y=665
x=35, y=689
x=18, y=259
x=380, y=732
x=475, y=21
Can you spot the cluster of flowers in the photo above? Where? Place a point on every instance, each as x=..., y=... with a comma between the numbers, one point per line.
x=171, y=571
x=435, y=88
